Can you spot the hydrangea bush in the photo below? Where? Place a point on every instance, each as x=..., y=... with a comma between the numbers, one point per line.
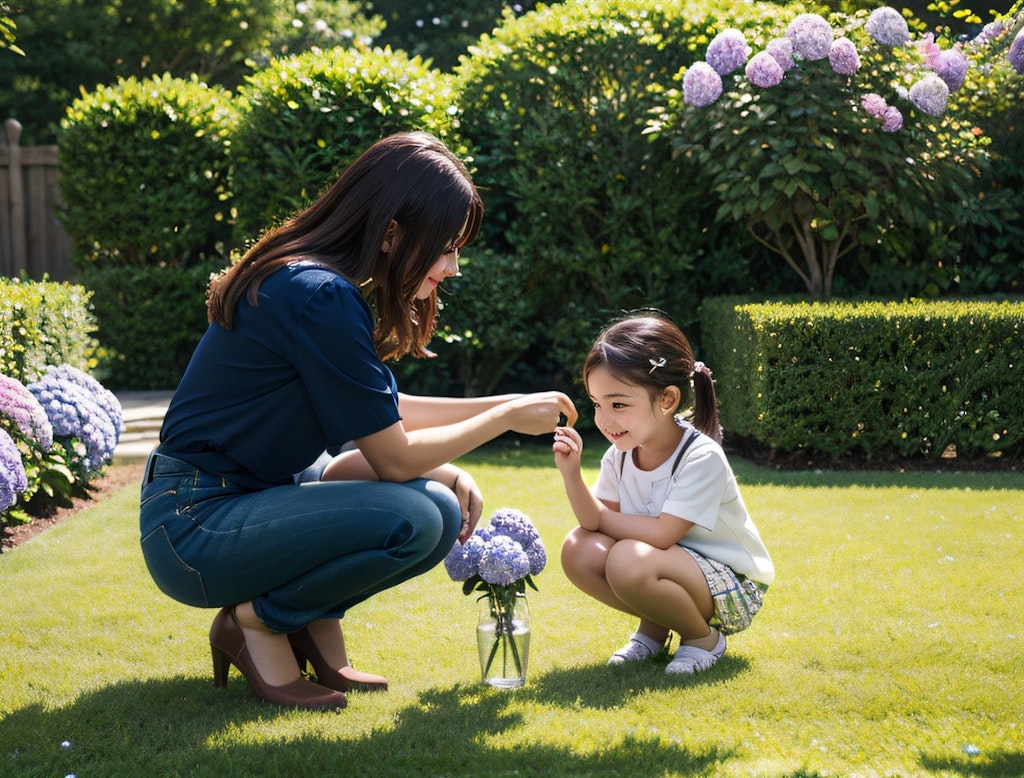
x=62, y=430
x=826, y=134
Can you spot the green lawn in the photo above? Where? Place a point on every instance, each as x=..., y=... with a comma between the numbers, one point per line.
x=891, y=644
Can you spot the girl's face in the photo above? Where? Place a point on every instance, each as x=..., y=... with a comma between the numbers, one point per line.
x=625, y=413
x=446, y=266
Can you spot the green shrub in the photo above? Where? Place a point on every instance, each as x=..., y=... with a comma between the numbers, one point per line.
x=553, y=105
x=43, y=323
x=144, y=172
x=150, y=319
x=875, y=381
x=305, y=118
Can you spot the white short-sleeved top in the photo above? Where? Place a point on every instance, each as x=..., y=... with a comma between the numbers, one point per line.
x=703, y=490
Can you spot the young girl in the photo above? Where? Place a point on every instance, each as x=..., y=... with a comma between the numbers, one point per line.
x=664, y=536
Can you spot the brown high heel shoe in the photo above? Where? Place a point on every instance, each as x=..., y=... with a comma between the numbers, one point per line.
x=347, y=679
x=227, y=644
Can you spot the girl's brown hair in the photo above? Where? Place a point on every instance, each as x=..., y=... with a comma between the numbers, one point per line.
x=648, y=350
x=409, y=179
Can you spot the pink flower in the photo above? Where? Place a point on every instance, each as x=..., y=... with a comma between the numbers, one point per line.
x=843, y=57
x=727, y=51
x=874, y=105
x=701, y=85
x=764, y=70
x=929, y=49
x=887, y=26
x=811, y=35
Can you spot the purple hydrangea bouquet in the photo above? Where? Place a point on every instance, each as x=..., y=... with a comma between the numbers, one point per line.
x=499, y=561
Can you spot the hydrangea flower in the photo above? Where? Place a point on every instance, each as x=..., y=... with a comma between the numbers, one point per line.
x=951, y=66
x=892, y=119
x=13, y=480
x=702, y=86
x=22, y=408
x=874, y=104
x=728, y=51
x=843, y=57
x=782, y=50
x=513, y=524
x=79, y=408
x=887, y=26
x=930, y=95
x=811, y=35
x=764, y=70
x=503, y=561
x=504, y=554
x=1016, y=53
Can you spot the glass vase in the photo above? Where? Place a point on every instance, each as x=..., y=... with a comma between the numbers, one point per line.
x=503, y=639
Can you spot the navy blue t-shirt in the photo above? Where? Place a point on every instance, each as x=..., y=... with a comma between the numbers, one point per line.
x=298, y=374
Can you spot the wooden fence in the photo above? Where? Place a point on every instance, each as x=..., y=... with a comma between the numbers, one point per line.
x=31, y=237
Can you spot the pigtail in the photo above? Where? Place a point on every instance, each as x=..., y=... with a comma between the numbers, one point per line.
x=705, y=402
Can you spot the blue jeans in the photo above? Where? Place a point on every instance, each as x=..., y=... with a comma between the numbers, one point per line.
x=299, y=552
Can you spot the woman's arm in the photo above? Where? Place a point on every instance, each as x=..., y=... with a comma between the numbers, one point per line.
x=420, y=412
x=440, y=436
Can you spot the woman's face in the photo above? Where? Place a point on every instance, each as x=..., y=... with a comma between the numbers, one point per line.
x=446, y=266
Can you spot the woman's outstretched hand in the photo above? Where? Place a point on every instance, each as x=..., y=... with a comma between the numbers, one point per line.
x=540, y=412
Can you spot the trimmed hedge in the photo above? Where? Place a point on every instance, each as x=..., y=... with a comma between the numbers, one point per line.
x=305, y=118
x=43, y=323
x=872, y=380
x=145, y=171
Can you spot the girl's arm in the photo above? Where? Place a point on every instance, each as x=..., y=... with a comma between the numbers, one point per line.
x=596, y=515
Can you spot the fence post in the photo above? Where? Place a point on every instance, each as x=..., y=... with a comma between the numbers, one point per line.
x=16, y=193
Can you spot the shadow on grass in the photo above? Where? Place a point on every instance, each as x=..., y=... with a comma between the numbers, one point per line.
x=607, y=688
x=998, y=764
x=187, y=727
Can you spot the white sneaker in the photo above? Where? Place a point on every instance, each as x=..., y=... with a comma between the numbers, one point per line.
x=636, y=650
x=690, y=659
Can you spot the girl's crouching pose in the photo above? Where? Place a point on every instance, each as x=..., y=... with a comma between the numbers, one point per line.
x=664, y=536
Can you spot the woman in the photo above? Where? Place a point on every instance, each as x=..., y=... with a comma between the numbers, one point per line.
x=241, y=506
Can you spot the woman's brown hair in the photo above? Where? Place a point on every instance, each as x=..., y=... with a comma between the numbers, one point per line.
x=409, y=179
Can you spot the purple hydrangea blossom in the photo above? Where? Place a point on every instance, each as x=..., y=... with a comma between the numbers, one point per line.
x=892, y=119
x=1016, y=53
x=888, y=27
x=843, y=57
x=930, y=95
x=538, y=556
x=782, y=50
x=764, y=70
x=989, y=32
x=728, y=51
x=79, y=407
x=500, y=554
x=503, y=562
x=702, y=86
x=13, y=480
x=951, y=66
x=463, y=561
x=19, y=405
x=513, y=524
x=811, y=35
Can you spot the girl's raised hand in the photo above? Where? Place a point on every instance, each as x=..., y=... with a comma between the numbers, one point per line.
x=568, y=448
